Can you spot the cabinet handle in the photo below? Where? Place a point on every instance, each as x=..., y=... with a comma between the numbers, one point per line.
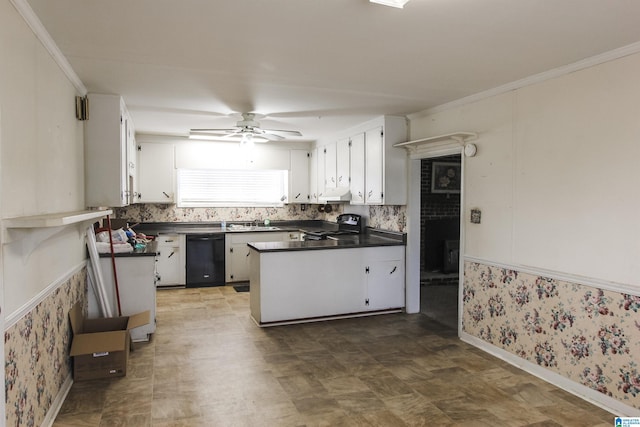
x=370, y=193
x=248, y=253
x=170, y=255
x=394, y=269
x=166, y=195
x=298, y=195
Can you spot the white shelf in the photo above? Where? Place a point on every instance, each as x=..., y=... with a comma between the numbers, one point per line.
x=460, y=137
x=31, y=231
x=54, y=220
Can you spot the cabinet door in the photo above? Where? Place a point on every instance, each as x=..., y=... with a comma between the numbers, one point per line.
x=239, y=262
x=313, y=176
x=105, y=152
x=342, y=163
x=385, y=284
x=357, y=169
x=170, y=261
x=299, y=177
x=237, y=265
x=155, y=173
x=132, y=174
x=330, y=166
x=136, y=288
x=374, y=166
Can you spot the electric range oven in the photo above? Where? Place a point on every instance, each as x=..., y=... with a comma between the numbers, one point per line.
x=348, y=225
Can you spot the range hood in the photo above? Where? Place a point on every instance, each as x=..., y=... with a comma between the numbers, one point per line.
x=337, y=194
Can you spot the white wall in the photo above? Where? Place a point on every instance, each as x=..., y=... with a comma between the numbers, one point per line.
x=41, y=159
x=556, y=175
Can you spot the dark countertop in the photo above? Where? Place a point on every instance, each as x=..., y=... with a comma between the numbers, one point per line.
x=372, y=238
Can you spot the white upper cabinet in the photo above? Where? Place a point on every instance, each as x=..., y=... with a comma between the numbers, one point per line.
x=374, y=166
x=376, y=170
x=330, y=166
x=156, y=173
x=299, y=177
x=342, y=163
x=314, y=178
x=394, y=164
x=109, y=143
x=356, y=162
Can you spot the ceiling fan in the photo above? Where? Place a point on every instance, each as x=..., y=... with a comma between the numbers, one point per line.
x=248, y=130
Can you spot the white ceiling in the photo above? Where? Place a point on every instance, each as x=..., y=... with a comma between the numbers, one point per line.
x=319, y=66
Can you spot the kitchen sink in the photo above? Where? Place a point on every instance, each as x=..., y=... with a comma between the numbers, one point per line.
x=244, y=227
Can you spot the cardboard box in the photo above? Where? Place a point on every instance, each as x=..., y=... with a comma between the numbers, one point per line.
x=100, y=347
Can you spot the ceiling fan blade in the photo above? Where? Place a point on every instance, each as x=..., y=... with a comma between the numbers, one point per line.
x=290, y=132
x=214, y=130
x=271, y=136
x=231, y=135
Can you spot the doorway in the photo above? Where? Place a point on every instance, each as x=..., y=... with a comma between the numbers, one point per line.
x=440, y=180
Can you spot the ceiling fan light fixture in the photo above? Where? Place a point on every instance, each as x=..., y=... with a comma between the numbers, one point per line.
x=393, y=3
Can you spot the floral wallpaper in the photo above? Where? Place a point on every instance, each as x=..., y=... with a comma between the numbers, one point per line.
x=147, y=212
x=392, y=218
x=588, y=335
x=36, y=358
x=386, y=217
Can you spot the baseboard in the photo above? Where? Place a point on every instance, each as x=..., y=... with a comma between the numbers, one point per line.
x=607, y=403
x=52, y=413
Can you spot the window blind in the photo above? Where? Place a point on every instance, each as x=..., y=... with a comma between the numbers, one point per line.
x=211, y=187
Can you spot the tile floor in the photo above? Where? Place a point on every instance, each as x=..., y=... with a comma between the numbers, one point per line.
x=209, y=365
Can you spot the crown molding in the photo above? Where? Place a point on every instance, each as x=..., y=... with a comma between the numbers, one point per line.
x=32, y=20
x=534, y=79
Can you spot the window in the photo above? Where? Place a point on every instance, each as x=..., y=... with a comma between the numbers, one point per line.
x=209, y=187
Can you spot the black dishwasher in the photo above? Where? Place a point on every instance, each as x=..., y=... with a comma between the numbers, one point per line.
x=205, y=260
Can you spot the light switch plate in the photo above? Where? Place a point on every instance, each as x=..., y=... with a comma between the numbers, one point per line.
x=476, y=214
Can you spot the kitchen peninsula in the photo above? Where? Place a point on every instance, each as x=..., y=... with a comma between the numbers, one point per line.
x=310, y=280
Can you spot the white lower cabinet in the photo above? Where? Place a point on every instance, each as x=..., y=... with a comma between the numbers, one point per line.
x=136, y=287
x=385, y=281
x=171, y=260
x=308, y=285
x=237, y=251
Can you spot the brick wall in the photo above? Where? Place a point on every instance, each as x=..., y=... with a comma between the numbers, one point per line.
x=435, y=206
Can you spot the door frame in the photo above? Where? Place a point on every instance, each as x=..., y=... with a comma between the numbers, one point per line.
x=412, y=302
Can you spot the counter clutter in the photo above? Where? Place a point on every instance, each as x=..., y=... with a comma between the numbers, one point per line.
x=123, y=283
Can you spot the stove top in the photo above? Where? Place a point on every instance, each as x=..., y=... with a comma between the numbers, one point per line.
x=324, y=234
x=348, y=224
